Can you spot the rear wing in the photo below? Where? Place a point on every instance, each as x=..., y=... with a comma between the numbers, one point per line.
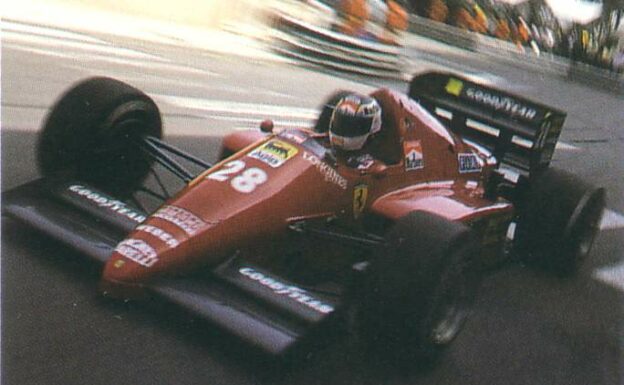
x=520, y=133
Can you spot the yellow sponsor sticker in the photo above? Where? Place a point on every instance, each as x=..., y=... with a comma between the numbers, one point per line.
x=454, y=86
x=360, y=194
x=119, y=263
x=274, y=152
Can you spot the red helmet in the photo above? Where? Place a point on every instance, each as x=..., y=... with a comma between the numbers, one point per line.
x=354, y=119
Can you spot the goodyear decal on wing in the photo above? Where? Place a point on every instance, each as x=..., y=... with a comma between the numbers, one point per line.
x=412, y=149
x=274, y=152
x=102, y=200
x=294, y=293
x=469, y=162
x=506, y=104
x=360, y=194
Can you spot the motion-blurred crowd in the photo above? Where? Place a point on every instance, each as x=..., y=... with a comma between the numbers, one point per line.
x=535, y=25
x=588, y=31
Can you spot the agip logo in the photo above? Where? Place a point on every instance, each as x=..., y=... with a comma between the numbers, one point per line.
x=274, y=152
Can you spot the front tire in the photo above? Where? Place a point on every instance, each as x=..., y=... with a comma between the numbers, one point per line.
x=417, y=294
x=92, y=133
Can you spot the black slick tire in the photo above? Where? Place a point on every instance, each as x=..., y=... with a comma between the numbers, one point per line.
x=559, y=222
x=417, y=293
x=92, y=134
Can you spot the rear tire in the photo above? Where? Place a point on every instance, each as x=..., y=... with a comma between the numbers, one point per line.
x=92, y=133
x=559, y=222
x=417, y=294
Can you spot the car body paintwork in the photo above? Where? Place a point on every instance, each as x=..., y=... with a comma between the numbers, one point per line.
x=213, y=216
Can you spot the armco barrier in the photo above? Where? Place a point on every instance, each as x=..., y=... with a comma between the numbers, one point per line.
x=320, y=46
x=507, y=53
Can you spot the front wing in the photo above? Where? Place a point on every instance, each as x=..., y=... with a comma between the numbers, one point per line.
x=263, y=309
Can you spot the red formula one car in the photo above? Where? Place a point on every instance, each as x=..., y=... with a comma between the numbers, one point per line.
x=284, y=234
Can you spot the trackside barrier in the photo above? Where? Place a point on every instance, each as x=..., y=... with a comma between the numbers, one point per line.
x=307, y=42
x=508, y=53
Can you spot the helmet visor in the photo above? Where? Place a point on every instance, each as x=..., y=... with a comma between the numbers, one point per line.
x=348, y=125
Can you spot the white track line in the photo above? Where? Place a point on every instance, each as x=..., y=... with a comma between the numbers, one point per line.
x=43, y=52
x=611, y=220
x=147, y=66
x=111, y=59
x=29, y=29
x=60, y=44
x=566, y=146
x=232, y=107
x=612, y=275
x=255, y=122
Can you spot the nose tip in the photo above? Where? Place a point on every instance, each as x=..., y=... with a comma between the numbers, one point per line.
x=123, y=278
x=137, y=250
x=115, y=289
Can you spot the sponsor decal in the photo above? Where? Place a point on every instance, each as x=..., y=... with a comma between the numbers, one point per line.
x=138, y=251
x=500, y=103
x=102, y=200
x=491, y=99
x=360, y=193
x=119, y=263
x=274, y=152
x=246, y=182
x=182, y=218
x=295, y=136
x=454, y=86
x=289, y=291
x=329, y=173
x=361, y=162
x=159, y=233
x=412, y=150
x=469, y=162
x=365, y=161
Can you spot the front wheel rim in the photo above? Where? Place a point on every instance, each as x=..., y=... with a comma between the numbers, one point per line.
x=586, y=228
x=456, y=294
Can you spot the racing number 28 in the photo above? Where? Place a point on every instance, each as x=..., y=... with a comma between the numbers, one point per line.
x=246, y=182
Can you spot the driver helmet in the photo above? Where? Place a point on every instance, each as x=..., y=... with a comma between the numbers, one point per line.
x=354, y=119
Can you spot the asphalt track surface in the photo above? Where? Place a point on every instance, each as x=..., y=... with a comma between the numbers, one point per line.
x=527, y=327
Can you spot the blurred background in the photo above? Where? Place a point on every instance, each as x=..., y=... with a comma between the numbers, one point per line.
x=214, y=67
x=588, y=31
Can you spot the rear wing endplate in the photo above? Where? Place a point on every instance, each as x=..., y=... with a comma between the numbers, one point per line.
x=520, y=133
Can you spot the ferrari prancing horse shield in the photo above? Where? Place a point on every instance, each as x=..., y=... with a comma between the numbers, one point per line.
x=360, y=193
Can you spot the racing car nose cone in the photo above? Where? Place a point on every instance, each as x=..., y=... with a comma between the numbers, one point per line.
x=128, y=269
x=137, y=259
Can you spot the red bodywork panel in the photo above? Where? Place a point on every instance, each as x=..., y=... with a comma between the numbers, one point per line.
x=270, y=181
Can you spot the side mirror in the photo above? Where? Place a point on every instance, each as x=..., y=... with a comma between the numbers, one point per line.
x=266, y=126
